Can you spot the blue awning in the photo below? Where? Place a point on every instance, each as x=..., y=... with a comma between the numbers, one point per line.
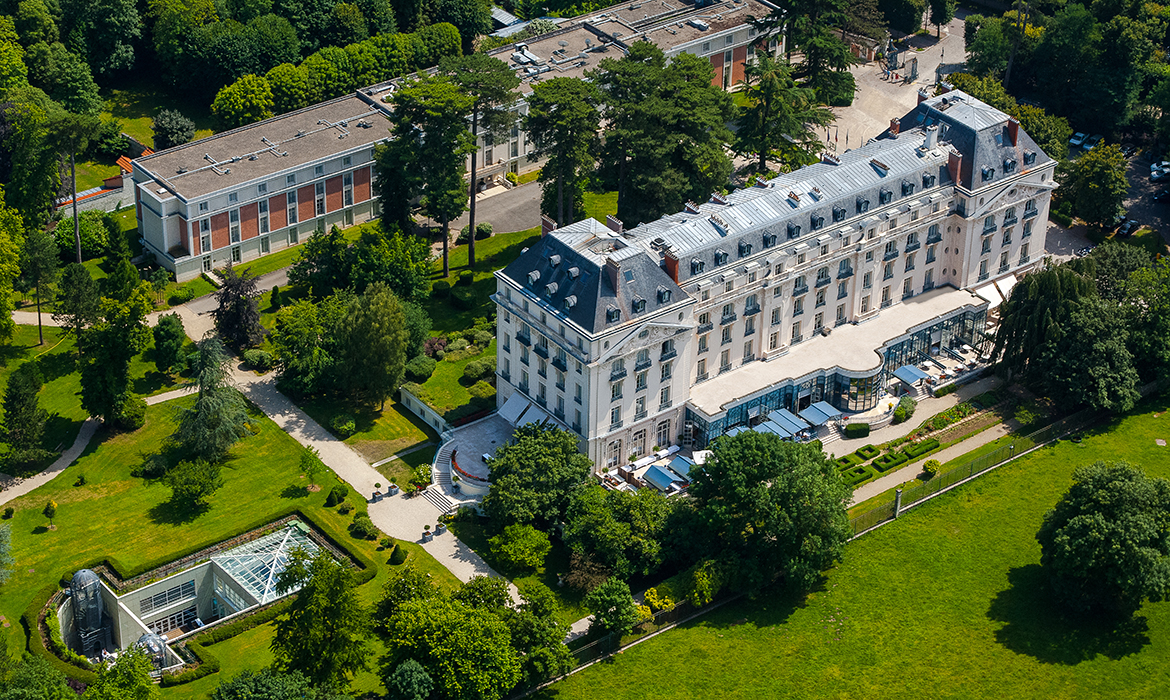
x=659, y=478
x=827, y=408
x=682, y=466
x=813, y=415
x=787, y=420
x=735, y=431
x=774, y=427
x=910, y=374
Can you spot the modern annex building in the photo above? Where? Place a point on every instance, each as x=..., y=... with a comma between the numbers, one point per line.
x=263, y=187
x=815, y=286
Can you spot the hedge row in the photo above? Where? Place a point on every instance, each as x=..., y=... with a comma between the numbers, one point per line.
x=920, y=448
x=856, y=430
x=36, y=643
x=868, y=452
x=948, y=389
x=848, y=460
x=888, y=461
x=856, y=475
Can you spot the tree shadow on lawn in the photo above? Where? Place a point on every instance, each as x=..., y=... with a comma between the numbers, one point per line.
x=56, y=365
x=295, y=491
x=1035, y=625
x=172, y=512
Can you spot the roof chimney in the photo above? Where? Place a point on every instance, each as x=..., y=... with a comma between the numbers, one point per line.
x=954, y=164
x=944, y=87
x=547, y=225
x=612, y=267
x=922, y=95
x=671, y=264
x=895, y=126
x=931, y=137
x=1013, y=129
x=614, y=223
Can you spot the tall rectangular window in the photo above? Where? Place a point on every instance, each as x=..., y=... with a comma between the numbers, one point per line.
x=319, y=198
x=234, y=217
x=292, y=206
x=204, y=235
x=347, y=187
x=263, y=215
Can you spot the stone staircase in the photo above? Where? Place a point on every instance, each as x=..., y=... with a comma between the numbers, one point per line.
x=828, y=434
x=437, y=498
x=439, y=492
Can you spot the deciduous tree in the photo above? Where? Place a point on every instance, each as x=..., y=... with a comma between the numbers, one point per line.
x=169, y=338
x=245, y=101
x=323, y=265
x=103, y=31
x=11, y=242
x=373, y=351
x=562, y=123
x=32, y=150
x=1086, y=359
x=777, y=507
x=1104, y=544
x=171, y=128
x=1028, y=317
x=401, y=262
x=521, y=547
x=324, y=633
x=411, y=584
x=1095, y=184
x=941, y=12
x=192, y=482
x=271, y=684
x=64, y=76
x=612, y=606
x=533, y=476
x=38, y=263
x=128, y=678
x=106, y=349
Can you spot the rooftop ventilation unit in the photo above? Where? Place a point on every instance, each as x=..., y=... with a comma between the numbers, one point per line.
x=699, y=24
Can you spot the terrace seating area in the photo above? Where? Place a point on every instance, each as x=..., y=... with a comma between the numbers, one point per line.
x=666, y=471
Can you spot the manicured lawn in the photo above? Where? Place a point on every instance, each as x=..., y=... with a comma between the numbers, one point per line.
x=400, y=470
x=475, y=534
x=491, y=254
x=136, y=107
x=447, y=391
x=528, y=177
x=379, y=433
x=598, y=204
x=91, y=173
x=948, y=601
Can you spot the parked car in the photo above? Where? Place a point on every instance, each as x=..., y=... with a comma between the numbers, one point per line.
x=1161, y=195
x=1129, y=150
x=1085, y=251
x=1093, y=141
x=1159, y=165
x=1159, y=174
x=1078, y=139
x=1127, y=229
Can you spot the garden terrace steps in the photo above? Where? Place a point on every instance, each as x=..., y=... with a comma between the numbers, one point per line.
x=437, y=498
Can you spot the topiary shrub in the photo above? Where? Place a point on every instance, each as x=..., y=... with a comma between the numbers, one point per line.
x=462, y=299
x=868, y=451
x=132, y=416
x=466, y=278
x=337, y=494
x=856, y=430
x=420, y=368
x=182, y=295
x=482, y=391
x=483, y=230
x=931, y=468
x=464, y=236
x=259, y=360
x=8, y=512
x=398, y=556
x=457, y=344
x=343, y=425
x=482, y=338
x=441, y=288
x=274, y=298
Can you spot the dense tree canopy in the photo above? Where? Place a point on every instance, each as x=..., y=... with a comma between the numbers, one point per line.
x=373, y=348
x=1095, y=184
x=533, y=476
x=219, y=416
x=780, y=120
x=107, y=348
x=562, y=123
x=1105, y=545
x=271, y=684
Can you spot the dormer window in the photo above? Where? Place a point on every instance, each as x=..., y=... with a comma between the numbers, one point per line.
x=663, y=295
x=550, y=289
x=612, y=314
x=1029, y=157
x=988, y=173
x=793, y=230
x=570, y=302
x=745, y=249
x=885, y=196
x=720, y=257
x=907, y=188
x=1009, y=165
x=697, y=266
x=639, y=305
x=838, y=214
x=816, y=222
x=769, y=240
x=574, y=272
x=928, y=180
x=554, y=260
x=534, y=277
x=862, y=205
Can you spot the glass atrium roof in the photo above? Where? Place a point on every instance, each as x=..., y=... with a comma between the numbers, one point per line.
x=258, y=564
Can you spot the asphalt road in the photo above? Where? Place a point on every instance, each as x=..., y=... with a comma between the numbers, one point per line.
x=513, y=210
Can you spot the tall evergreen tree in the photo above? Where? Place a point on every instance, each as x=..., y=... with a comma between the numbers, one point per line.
x=562, y=123
x=779, y=120
x=38, y=262
x=169, y=338
x=219, y=417
x=373, y=351
x=237, y=317
x=492, y=85
x=78, y=302
x=429, y=124
x=106, y=349
x=11, y=242
x=24, y=419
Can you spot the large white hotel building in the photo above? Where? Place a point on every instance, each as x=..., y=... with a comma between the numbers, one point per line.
x=813, y=287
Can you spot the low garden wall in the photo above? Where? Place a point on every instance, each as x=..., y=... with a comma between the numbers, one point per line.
x=419, y=408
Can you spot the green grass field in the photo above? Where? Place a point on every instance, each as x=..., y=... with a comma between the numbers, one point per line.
x=379, y=433
x=446, y=391
x=946, y=602
x=136, y=107
x=491, y=254
x=598, y=204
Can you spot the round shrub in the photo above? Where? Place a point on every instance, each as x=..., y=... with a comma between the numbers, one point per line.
x=466, y=278
x=345, y=508
x=473, y=371
x=132, y=416
x=931, y=467
x=336, y=495
x=274, y=298
x=512, y=178
x=441, y=288
x=483, y=230
x=482, y=338
x=398, y=556
x=8, y=512
x=463, y=298
x=457, y=345
x=343, y=425
x=386, y=543
x=433, y=345
x=96, y=227
x=260, y=360
x=482, y=390
x=182, y=295
x=420, y=368
x=464, y=236
x=363, y=528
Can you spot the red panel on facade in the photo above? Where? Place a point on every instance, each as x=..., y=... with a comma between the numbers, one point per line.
x=138, y=203
x=305, y=203
x=361, y=184
x=220, y=235
x=183, y=234
x=249, y=221
x=717, y=64
x=277, y=212
x=333, y=200
x=738, y=58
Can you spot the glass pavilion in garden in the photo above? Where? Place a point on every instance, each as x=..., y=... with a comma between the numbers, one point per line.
x=220, y=587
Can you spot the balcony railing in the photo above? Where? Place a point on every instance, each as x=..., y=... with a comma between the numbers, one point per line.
x=523, y=339
x=541, y=350
x=928, y=286
x=1004, y=268
x=983, y=276
x=802, y=289
x=541, y=372
x=797, y=339
x=560, y=415
x=668, y=355
x=930, y=256
x=639, y=415
x=797, y=312
x=844, y=274
x=891, y=254
x=989, y=228
x=911, y=247
x=887, y=302
x=907, y=295
x=559, y=363
x=542, y=400
x=841, y=322
x=1029, y=213
x=887, y=275
x=560, y=385
x=822, y=281
x=1024, y=259
x=934, y=237
x=909, y=266
x=524, y=388
x=615, y=397
x=664, y=406
x=615, y=426
x=643, y=364
x=1010, y=222
x=749, y=358
x=724, y=368
x=577, y=428
x=577, y=399
x=523, y=360
x=705, y=328
x=752, y=310
x=702, y=377
x=506, y=376
x=729, y=318
x=617, y=374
